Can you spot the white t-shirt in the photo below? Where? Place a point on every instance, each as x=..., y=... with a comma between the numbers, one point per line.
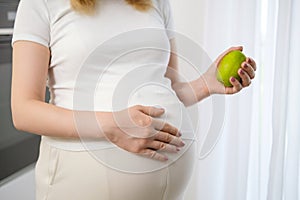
x=105, y=62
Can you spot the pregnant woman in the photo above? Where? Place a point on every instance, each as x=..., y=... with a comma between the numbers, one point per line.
x=116, y=126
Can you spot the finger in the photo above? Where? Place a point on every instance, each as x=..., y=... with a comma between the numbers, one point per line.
x=151, y=110
x=168, y=138
x=165, y=127
x=239, y=48
x=246, y=81
x=252, y=63
x=249, y=69
x=237, y=86
x=156, y=145
x=154, y=155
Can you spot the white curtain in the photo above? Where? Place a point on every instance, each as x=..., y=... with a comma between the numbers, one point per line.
x=257, y=156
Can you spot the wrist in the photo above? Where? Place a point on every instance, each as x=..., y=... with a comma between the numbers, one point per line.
x=106, y=124
x=202, y=88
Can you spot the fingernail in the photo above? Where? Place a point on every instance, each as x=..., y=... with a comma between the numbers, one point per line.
x=166, y=158
x=232, y=79
x=241, y=71
x=161, y=109
x=177, y=149
x=245, y=66
x=182, y=143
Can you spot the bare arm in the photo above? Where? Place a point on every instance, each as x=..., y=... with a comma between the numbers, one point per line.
x=136, y=129
x=188, y=92
x=194, y=91
x=30, y=112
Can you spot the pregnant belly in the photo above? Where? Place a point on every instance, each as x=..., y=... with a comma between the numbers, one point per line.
x=175, y=113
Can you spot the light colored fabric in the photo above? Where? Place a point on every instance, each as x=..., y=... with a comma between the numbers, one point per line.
x=62, y=174
x=284, y=179
x=91, y=55
x=258, y=154
x=32, y=22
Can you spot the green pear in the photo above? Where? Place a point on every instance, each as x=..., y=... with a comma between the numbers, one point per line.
x=229, y=66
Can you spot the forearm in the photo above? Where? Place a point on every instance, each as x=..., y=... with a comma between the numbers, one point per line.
x=191, y=92
x=30, y=112
x=46, y=119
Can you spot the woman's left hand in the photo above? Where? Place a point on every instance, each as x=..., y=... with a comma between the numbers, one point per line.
x=246, y=72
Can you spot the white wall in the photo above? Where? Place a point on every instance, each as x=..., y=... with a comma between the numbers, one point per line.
x=188, y=15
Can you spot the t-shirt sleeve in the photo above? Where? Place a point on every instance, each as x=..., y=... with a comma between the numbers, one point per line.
x=168, y=18
x=32, y=22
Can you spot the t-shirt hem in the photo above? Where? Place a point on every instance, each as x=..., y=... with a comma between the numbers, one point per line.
x=28, y=37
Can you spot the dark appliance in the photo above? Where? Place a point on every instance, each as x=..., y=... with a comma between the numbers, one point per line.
x=17, y=149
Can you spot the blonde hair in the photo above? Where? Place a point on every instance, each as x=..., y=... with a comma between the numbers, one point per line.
x=88, y=6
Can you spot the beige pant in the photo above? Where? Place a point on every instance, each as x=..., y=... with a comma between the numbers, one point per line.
x=71, y=175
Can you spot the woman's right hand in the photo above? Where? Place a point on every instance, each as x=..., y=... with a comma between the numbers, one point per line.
x=137, y=130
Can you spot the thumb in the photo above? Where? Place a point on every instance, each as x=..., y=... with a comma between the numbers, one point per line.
x=238, y=48
x=152, y=111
